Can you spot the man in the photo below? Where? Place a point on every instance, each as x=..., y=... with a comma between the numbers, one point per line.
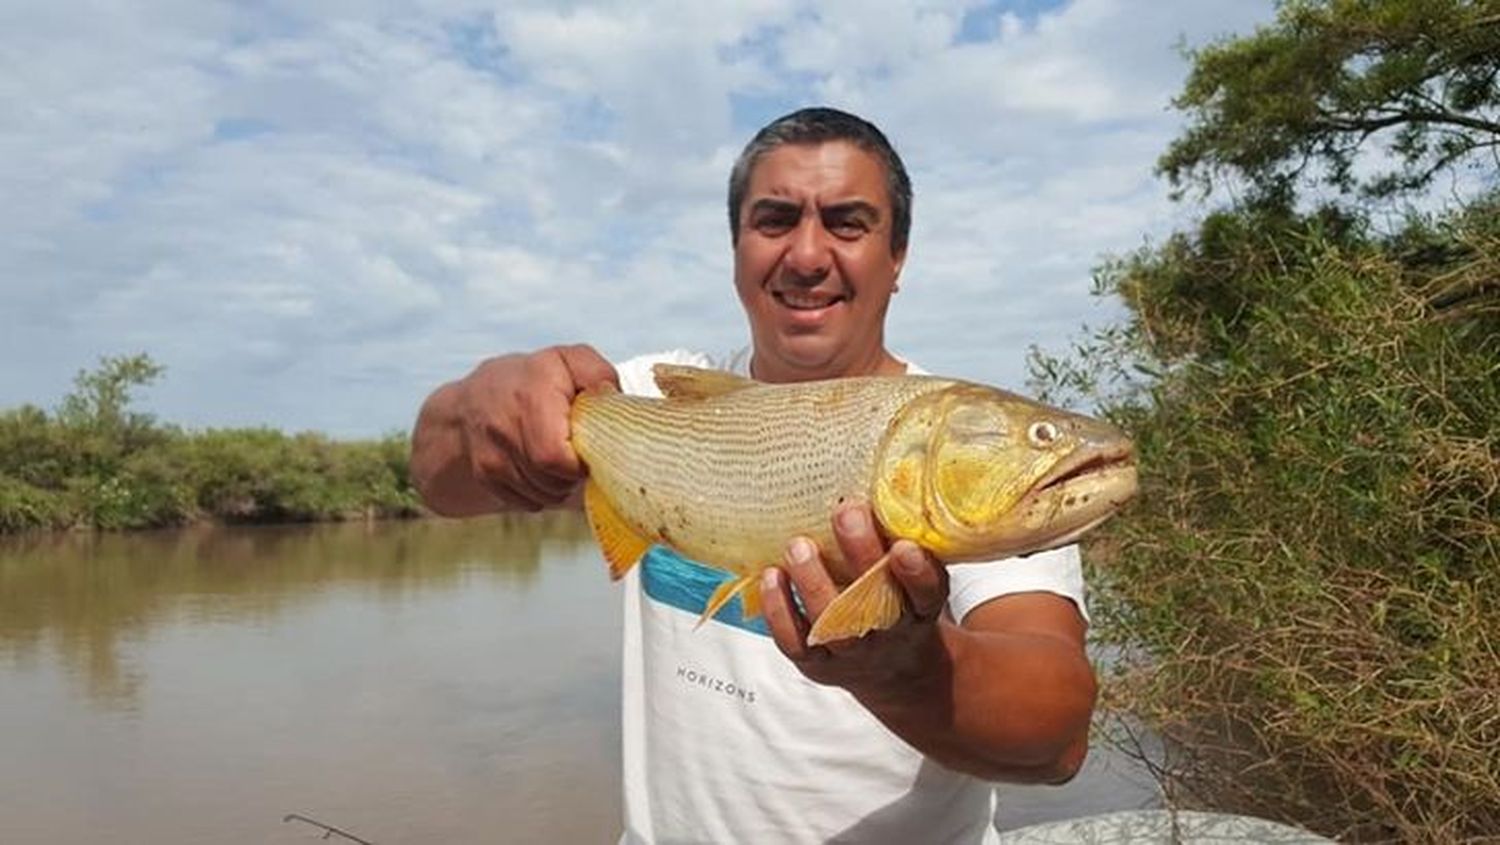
x=741, y=732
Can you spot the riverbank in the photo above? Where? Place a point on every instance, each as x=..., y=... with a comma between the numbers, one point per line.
x=95, y=463
x=58, y=480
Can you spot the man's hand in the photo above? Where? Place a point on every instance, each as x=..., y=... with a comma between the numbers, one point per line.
x=1007, y=695
x=901, y=661
x=497, y=439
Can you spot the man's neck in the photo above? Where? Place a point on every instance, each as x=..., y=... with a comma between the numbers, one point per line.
x=882, y=363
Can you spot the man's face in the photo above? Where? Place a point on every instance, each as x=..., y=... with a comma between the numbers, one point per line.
x=813, y=265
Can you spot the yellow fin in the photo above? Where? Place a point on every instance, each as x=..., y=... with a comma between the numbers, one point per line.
x=726, y=592
x=677, y=381
x=622, y=546
x=750, y=602
x=873, y=602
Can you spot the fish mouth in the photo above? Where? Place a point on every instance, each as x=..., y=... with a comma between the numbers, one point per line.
x=1099, y=463
x=1078, y=495
x=1103, y=473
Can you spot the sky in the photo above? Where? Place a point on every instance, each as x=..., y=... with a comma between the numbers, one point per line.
x=314, y=213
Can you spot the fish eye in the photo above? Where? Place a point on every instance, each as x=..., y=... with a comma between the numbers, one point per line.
x=1043, y=433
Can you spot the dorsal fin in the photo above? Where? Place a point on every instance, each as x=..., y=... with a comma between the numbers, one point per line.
x=677, y=381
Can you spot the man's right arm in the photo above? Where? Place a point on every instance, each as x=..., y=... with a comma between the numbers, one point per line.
x=497, y=439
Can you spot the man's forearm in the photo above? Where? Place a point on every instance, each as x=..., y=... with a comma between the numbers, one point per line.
x=998, y=705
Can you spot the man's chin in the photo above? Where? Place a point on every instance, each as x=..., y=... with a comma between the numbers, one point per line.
x=807, y=358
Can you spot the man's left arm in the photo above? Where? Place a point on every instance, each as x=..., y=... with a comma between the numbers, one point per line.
x=1007, y=695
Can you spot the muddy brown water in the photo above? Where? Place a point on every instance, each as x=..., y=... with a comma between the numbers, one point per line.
x=428, y=681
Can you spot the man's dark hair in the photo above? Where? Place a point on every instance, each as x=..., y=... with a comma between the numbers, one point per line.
x=820, y=125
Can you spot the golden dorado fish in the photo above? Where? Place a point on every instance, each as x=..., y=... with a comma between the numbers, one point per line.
x=726, y=470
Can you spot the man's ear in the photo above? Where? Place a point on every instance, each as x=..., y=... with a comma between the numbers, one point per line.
x=898, y=261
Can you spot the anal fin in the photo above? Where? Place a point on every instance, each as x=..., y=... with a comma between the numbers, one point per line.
x=726, y=593
x=873, y=602
x=622, y=545
x=750, y=602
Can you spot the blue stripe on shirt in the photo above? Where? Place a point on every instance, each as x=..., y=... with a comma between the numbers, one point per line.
x=674, y=580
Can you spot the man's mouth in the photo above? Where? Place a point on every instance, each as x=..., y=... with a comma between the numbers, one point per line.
x=806, y=300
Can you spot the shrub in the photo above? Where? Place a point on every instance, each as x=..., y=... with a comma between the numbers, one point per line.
x=98, y=464
x=24, y=506
x=1310, y=578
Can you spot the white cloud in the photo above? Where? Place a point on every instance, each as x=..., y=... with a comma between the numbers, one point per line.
x=313, y=214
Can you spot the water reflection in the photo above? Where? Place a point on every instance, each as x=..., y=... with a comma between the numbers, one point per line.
x=84, y=594
x=414, y=682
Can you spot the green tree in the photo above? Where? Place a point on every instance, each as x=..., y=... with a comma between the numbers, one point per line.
x=96, y=463
x=1303, y=592
x=1416, y=79
x=100, y=401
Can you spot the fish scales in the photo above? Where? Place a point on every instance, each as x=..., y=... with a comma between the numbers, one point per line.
x=725, y=470
x=727, y=479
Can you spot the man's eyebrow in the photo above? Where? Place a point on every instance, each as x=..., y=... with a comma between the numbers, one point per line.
x=774, y=205
x=844, y=209
x=849, y=208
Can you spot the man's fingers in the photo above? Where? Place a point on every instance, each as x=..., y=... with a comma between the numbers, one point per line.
x=547, y=458
x=545, y=429
x=549, y=489
x=587, y=367
x=805, y=568
x=854, y=528
x=788, y=627
x=515, y=500
x=506, y=486
x=544, y=432
x=500, y=464
x=515, y=416
x=924, y=579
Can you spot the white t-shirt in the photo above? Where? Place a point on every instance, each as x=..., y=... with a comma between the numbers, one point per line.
x=725, y=741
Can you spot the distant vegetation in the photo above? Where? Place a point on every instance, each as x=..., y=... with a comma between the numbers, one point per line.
x=1307, y=591
x=96, y=463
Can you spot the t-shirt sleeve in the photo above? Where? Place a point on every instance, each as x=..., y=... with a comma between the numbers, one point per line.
x=1058, y=571
x=635, y=374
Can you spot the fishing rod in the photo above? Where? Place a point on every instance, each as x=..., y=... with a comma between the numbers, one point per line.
x=328, y=829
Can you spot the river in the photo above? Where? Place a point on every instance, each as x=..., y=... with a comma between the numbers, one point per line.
x=426, y=681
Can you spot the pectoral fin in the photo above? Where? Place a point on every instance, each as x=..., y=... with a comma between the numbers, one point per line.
x=622, y=545
x=873, y=602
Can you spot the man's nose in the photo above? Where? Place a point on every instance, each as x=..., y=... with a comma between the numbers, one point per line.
x=807, y=255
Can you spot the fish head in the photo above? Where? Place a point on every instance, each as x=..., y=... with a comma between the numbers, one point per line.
x=974, y=473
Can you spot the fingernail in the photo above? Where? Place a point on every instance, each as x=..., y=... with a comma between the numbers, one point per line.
x=852, y=520
x=909, y=558
x=771, y=579
x=800, y=552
